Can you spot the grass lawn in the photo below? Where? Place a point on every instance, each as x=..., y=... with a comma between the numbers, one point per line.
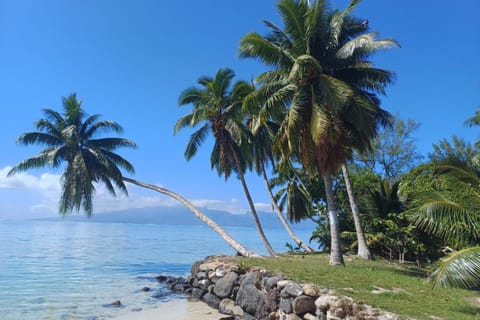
x=412, y=296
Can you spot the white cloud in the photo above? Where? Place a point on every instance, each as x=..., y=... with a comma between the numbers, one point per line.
x=38, y=196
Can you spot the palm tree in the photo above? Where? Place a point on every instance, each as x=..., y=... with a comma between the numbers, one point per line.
x=71, y=137
x=218, y=109
x=455, y=218
x=262, y=139
x=321, y=73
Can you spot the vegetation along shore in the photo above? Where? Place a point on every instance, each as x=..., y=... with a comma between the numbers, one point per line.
x=401, y=231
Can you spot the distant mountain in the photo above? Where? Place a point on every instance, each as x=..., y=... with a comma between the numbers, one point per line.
x=182, y=216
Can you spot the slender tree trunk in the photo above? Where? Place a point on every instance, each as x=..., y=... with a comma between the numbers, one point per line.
x=219, y=230
x=336, y=256
x=363, y=251
x=280, y=216
x=252, y=206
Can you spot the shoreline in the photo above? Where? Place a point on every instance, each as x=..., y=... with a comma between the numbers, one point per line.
x=178, y=309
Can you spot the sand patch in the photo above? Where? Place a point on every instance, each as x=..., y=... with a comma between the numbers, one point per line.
x=183, y=309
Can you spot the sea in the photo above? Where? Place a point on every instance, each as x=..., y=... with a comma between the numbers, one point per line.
x=75, y=270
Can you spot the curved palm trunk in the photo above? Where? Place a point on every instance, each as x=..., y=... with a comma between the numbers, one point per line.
x=363, y=251
x=280, y=216
x=336, y=257
x=232, y=242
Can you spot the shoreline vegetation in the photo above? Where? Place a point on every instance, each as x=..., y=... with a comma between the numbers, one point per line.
x=362, y=290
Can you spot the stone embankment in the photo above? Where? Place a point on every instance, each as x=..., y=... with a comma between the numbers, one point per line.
x=258, y=294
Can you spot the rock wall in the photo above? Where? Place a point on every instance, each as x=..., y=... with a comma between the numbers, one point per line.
x=258, y=294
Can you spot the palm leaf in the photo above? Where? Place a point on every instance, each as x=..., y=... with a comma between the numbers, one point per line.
x=460, y=269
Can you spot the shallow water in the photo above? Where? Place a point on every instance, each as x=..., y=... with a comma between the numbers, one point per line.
x=75, y=270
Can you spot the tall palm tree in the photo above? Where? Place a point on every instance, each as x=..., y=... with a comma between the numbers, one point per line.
x=72, y=137
x=321, y=73
x=217, y=108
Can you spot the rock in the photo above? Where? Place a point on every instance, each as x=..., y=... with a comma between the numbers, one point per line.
x=249, y=298
x=116, y=303
x=293, y=289
x=293, y=316
x=324, y=302
x=195, y=267
x=212, y=300
x=145, y=289
x=161, y=278
x=224, y=286
x=202, y=275
x=286, y=305
x=208, y=266
x=247, y=316
x=271, y=282
x=198, y=293
x=311, y=290
x=227, y=306
x=303, y=304
x=283, y=283
x=309, y=316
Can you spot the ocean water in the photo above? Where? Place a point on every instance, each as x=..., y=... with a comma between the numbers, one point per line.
x=75, y=270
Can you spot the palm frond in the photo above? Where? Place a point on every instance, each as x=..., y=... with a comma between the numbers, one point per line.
x=196, y=139
x=365, y=44
x=458, y=269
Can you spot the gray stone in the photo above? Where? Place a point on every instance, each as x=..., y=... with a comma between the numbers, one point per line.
x=303, y=304
x=224, y=286
x=286, y=305
x=293, y=289
x=271, y=282
x=247, y=316
x=198, y=293
x=226, y=306
x=249, y=298
x=212, y=300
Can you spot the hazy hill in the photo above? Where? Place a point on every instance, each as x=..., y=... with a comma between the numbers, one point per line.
x=182, y=216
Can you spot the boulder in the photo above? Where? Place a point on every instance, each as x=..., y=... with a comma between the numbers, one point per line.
x=249, y=298
x=293, y=289
x=212, y=300
x=303, y=304
x=224, y=286
x=227, y=306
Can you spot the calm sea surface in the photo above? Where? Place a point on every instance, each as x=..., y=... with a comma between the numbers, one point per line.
x=74, y=270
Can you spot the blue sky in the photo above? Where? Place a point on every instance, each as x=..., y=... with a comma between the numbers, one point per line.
x=129, y=61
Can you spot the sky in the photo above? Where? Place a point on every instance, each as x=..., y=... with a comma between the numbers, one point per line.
x=130, y=60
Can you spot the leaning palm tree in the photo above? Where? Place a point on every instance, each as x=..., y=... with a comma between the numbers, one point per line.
x=217, y=108
x=72, y=137
x=321, y=73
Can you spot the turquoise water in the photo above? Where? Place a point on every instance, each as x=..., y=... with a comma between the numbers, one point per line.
x=74, y=270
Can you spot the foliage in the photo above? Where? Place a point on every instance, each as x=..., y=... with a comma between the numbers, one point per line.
x=393, y=151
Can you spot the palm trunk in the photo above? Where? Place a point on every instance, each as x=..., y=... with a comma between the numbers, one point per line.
x=252, y=207
x=336, y=257
x=363, y=251
x=232, y=242
x=280, y=216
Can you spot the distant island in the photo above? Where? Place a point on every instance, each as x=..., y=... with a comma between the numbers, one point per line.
x=182, y=216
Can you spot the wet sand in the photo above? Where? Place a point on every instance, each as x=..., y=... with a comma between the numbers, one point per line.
x=183, y=309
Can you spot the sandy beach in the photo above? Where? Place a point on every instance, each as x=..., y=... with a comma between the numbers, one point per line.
x=183, y=309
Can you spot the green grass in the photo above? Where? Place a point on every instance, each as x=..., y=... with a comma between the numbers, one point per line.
x=358, y=278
